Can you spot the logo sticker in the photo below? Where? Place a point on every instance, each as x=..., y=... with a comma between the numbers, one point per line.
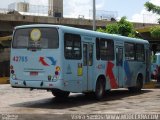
x=35, y=35
x=47, y=61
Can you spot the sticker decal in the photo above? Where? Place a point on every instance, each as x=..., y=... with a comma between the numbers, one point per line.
x=57, y=72
x=101, y=66
x=58, y=68
x=47, y=61
x=80, y=69
x=42, y=61
x=52, y=60
x=35, y=35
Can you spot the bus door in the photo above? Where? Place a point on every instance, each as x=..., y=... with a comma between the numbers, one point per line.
x=87, y=66
x=119, y=65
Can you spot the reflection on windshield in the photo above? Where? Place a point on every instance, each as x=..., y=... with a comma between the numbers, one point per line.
x=38, y=38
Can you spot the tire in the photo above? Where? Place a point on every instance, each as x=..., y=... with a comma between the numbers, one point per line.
x=139, y=85
x=100, y=89
x=60, y=94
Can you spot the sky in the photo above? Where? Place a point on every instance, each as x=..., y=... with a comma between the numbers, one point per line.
x=134, y=10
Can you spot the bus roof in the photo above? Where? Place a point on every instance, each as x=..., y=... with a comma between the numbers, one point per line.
x=87, y=32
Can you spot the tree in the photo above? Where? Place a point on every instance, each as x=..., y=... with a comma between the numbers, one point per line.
x=112, y=28
x=155, y=31
x=153, y=8
x=123, y=27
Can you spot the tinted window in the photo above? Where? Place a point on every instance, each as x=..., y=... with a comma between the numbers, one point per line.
x=90, y=48
x=72, y=46
x=140, y=52
x=36, y=38
x=97, y=48
x=134, y=52
x=130, y=51
x=104, y=49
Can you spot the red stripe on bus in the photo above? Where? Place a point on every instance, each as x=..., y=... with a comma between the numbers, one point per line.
x=110, y=74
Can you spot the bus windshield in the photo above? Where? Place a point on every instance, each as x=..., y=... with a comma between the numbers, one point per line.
x=37, y=38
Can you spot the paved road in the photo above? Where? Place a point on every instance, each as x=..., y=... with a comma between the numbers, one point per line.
x=40, y=102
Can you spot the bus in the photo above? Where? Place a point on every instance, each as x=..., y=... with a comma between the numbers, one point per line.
x=155, y=65
x=64, y=59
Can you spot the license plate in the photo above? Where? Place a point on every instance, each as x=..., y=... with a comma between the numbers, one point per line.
x=33, y=73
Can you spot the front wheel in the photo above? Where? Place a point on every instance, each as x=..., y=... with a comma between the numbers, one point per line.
x=100, y=90
x=60, y=94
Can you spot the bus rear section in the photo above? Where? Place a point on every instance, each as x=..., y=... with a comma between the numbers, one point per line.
x=35, y=58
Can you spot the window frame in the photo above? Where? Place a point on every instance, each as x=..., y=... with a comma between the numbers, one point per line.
x=73, y=43
x=99, y=49
x=12, y=44
x=134, y=51
x=143, y=50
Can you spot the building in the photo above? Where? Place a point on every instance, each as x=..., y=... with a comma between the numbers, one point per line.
x=55, y=8
x=20, y=6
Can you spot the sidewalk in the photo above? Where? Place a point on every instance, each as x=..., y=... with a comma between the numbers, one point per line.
x=150, y=85
x=4, y=80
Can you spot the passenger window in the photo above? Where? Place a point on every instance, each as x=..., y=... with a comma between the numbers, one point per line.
x=140, y=52
x=72, y=46
x=104, y=49
x=90, y=55
x=129, y=51
x=97, y=49
x=85, y=55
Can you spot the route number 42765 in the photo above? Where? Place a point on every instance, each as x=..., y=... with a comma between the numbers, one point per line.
x=20, y=59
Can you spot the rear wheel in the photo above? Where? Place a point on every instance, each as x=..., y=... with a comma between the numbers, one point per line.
x=60, y=94
x=139, y=83
x=100, y=89
x=138, y=86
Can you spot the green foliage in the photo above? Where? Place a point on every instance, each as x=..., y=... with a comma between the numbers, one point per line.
x=152, y=7
x=133, y=35
x=101, y=30
x=155, y=32
x=123, y=27
x=112, y=28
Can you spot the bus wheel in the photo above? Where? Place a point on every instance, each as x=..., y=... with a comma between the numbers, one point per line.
x=138, y=86
x=139, y=83
x=100, y=89
x=60, y=94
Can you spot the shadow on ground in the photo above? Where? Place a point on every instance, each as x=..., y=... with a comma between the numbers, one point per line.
x=77, y=100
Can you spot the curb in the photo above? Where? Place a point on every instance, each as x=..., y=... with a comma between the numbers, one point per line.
x=150, y=85
x=4, y=80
